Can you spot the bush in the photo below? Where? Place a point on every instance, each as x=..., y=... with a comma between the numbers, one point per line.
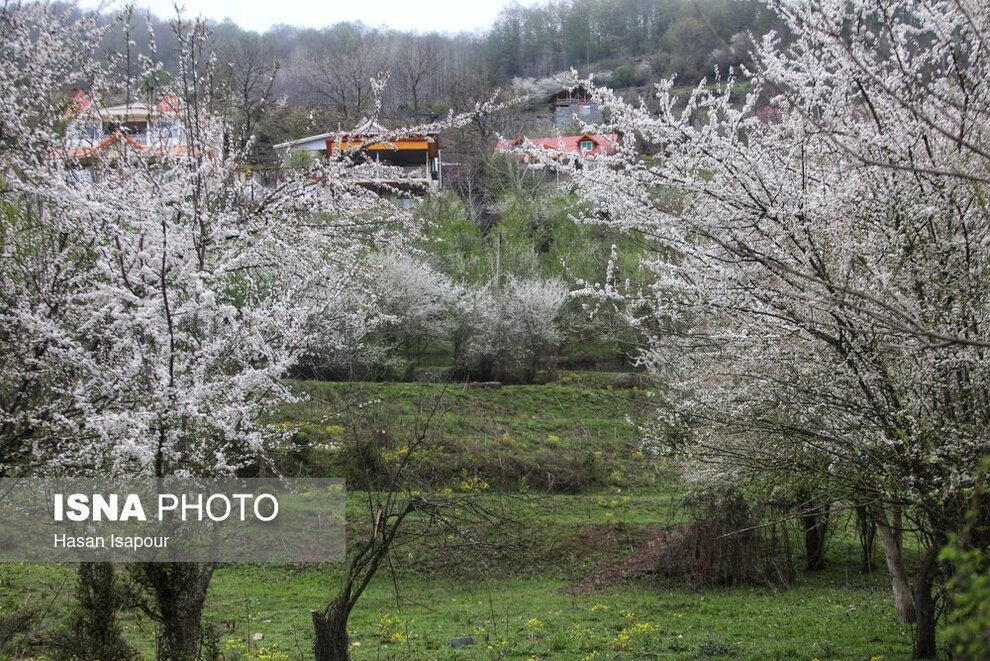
x=968, y=632
x=15, y=626
x=93, y=631
x=725, y=544
x=625, y=75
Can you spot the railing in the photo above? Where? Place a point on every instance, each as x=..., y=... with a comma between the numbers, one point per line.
x=145, y=139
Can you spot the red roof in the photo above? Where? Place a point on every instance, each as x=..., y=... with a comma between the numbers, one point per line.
x=564, y=144
x=81, y=102
x=84, y=152
x=170, y=104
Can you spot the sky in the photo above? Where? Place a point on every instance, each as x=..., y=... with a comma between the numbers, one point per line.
x=420, y=16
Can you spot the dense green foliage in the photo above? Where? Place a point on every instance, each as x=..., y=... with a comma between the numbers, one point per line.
x=687, y=38
x=969, y=620
x=535, y=233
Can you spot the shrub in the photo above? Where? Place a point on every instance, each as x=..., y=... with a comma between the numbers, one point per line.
x=725, y=544
x=968, y=632
x=625, y=75
x=15, y=625
x=93, y=631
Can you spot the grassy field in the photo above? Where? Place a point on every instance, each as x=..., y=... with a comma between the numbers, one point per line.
x=567, y=590
x=833, y=615
x=572, y=436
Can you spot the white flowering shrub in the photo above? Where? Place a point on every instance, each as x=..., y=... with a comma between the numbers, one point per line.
x=502, y=331
x=414, y=299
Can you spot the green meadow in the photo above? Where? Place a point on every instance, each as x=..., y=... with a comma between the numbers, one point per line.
x=585, y=511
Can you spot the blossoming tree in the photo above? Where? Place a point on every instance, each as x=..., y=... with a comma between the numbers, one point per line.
x=153, y=299
x=820, y=288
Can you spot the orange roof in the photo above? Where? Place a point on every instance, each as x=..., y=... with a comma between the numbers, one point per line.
x=345, y=141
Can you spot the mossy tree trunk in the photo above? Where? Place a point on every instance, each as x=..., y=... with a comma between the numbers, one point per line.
x=330, y=626
x=814, y=521
x=924, y=603
x=178, y=591
x=890, y=538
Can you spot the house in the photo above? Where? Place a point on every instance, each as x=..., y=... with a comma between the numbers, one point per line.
x=413, y=158
x=572, y=105
x=110, y=133
x=585, y=146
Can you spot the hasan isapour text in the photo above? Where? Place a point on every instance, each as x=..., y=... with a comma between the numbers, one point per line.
x=65, y=541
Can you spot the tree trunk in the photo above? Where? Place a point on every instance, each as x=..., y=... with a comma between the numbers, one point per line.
x=179, y=591
x=179, y=636
x=815, y=524
x=924, y=644
x=867, y=531
x=903, y=599
x=330, y=626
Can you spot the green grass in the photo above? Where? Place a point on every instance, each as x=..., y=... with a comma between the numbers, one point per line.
x=415, y=612
x=827, y=616
x=583, y=412
x=537, y=600
x=837, y=614
x=534, y=603
x=567, y=437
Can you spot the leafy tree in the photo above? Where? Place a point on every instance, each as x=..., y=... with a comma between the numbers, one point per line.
x=455, y=244
x=968, y=633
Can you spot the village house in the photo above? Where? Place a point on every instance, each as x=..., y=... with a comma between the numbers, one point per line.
x=110, y=133
x=574, y=105
x=586, y=146
x=412, y=159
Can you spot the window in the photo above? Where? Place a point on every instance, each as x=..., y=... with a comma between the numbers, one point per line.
x=587, y=145
x=585, y=110
x=165, y=131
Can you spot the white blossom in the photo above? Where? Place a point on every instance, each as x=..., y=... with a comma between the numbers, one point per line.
x=149, y=311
